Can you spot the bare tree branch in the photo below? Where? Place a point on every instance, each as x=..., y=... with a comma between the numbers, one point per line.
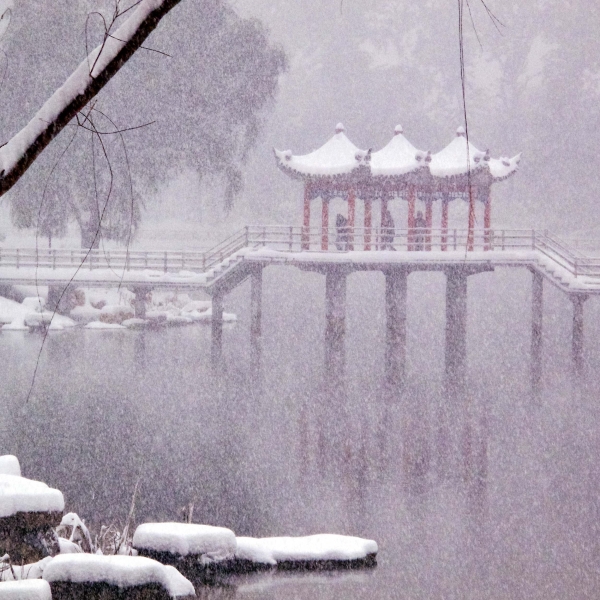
x=20, y=152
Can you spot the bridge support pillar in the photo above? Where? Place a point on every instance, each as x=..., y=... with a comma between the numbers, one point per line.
x=139, y=302
x=537, y=304
x=577, y=339
x=217, y=328
x=395, y=340
x=256, y=318
x=456, y=333
x=335, y=324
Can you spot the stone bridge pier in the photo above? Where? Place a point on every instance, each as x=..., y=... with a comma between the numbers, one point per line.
x=335, y=324
x=577, y=338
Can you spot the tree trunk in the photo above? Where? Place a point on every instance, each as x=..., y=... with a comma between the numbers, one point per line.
x=89, y=239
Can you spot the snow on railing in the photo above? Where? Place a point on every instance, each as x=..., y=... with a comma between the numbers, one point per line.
x=312, y=239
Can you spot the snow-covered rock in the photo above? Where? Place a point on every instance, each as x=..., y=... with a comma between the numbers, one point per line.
x=115, y=313
x=312, y=548
x=119, y=571
x=18, y=494
x=199, y=306
x=207, y=543
x=135, y=323
x=35, y=303
x=29, y=589
x=17, y=324
x=29, y=510
x=9, y=465
x=68, y=547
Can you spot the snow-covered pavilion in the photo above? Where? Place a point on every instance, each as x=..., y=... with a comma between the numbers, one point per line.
x=399, y=170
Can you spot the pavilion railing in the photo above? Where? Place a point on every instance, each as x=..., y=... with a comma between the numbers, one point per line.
x=295, y=239
x=302, y=239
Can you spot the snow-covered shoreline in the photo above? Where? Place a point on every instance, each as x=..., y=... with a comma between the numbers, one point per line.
x=103, y=310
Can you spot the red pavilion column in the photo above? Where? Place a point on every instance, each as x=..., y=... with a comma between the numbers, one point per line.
x=411, y=217
x=428, y=223
x=445, y=203
x=384, y=207
x=471, y=232
x=487, y=220
x=351, y=217
x=368, y=223
x=324, y=224
x=306, y=223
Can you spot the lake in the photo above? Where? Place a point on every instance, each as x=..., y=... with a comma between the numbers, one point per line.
x=509, y=509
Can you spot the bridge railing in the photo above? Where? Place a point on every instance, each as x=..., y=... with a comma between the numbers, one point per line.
x=30, y=258
x=566, y=256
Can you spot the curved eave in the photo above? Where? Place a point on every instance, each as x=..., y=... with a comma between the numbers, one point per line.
x=359, y=171
x=501, y=169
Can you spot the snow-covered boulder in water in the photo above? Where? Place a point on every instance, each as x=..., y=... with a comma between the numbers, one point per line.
x=29, y=511
x=115, y=313
x=187, y=545
x=108, y=577
x=28, y=589
x=310, y=552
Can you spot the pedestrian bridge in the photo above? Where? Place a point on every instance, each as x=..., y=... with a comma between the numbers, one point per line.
x=314, y=249
x=458, y=253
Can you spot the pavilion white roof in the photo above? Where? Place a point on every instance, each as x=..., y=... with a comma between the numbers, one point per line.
x=455, y=160
x=398, y=157
x=337, y=156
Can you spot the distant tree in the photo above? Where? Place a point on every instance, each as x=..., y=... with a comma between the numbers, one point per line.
x=205, y=100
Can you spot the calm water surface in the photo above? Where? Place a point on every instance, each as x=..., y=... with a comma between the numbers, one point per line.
x=511, y=510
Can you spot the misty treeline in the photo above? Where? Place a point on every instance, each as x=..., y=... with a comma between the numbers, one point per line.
x=201, y=84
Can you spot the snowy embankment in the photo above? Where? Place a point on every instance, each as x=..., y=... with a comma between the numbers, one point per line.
x=77, y=566
x=77, y=571
x=106, y=309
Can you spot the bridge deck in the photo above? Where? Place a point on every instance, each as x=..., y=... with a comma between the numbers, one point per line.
x=566, y=268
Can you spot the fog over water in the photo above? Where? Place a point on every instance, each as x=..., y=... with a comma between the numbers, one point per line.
x=513, y=511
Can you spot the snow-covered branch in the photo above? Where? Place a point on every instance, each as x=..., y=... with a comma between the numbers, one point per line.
x=18, y=154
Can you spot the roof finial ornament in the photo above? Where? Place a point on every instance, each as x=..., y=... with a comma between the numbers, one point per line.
x=460, y=132
x=339, y=128
x=398, y=130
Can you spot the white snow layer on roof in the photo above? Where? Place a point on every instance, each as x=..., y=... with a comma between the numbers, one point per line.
x=452, y=160
x=313, y=547
x=122, y=571
x=75, y=85
x=213, y=543
x=28, y=589
x=18, y=494
x=9, y=465
x=397, y=158
x=337, y=156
